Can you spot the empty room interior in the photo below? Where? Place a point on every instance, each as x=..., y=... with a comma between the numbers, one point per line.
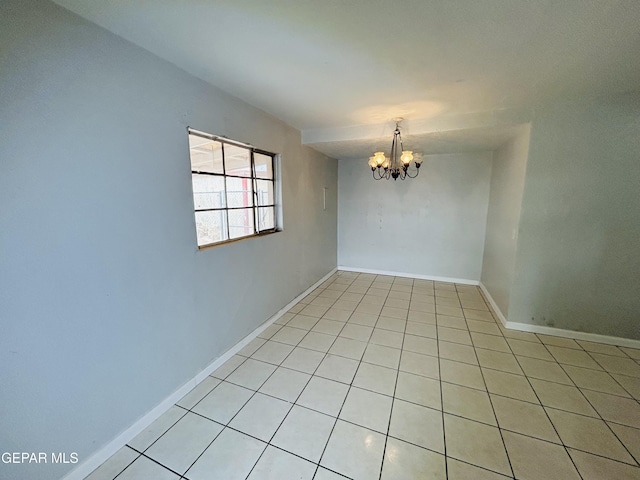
x=284, y=239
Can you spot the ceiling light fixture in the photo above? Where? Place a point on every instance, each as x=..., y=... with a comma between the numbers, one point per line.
x=398, y=163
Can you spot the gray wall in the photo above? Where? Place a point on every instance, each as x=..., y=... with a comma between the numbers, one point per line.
x=106, y=304
x=431, y=225
x=578, y=258
x=507, y=184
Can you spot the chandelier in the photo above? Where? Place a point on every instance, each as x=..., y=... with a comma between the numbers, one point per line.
x=398, y=163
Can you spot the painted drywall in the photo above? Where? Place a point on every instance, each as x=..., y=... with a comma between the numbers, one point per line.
x=106, y=304
x=431, y=225
x=505, y=198
x=578, y=253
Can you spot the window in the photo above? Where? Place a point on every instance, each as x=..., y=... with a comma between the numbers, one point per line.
x=234, y=189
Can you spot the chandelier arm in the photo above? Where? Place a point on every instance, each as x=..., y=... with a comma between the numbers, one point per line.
x=413, y=176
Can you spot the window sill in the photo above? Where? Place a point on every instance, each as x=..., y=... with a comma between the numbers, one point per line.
x=236, y=240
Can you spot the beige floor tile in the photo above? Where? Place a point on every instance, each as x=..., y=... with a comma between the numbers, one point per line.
x=366, y=319
x=623, y=366
x=304, y=432
x=630, y=384
x=418, y=389
x=337, y=368
x=422, y=317
x=516, y=335
x=261, y=416
x=418, y=425
x=183, y=443
x=367, y=409
x=251, y=374
x=330, y=327
x=594, y=380
x=448, y=301
x=317, y=341
x=387, y=338
x=543, y=370
x=534, y=459
x=289, y=335
x=270, y=331
x=142, y=467
x=303, y=322
x=421, y=329
x=376, y=378
x=588, y=434
x=274, y=464
x=458, y=470
x=451, y=322
x=337, y=314
x=571, y=356
x=480, y=326
x=559, y=341
x=632, y=352
x=509, y=385
x=231, y=456
x=592, y=467
x=614, y=408
x=392, y=324
x=391, y=312
x=482, y=315
x=223, y=402
x=523, y=417
x=356, y=332
x=562, y=397
x=272, y=352
x=476, y=443
x=348, y=348
x=228, y=367
x=505, y=362
x=424, y=307
x=461, y=374
x=403, y=461
x=467, y=402
x=490, y=342
x=529, y=349
x=198, y=393
x=422, y=345
x=630, y=438
x=454, y=335
x=457, y=352
x=397, y=302
x=354, y=451
x=383, y=356
x=424, y=365
x=285, y=384
x=346, y=305
x=325, y=396
x=449, y=311
x=251, y=347
x=601, y=348
x=303, y=360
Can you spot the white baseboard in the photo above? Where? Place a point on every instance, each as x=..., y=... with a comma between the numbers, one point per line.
x=493, y=304
x=462, y=281
x=559, y=332
x=102, y=455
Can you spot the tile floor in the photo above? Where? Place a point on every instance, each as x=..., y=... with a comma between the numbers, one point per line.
x=378, y=377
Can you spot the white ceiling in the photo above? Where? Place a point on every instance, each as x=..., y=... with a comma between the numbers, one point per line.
x=333, y=68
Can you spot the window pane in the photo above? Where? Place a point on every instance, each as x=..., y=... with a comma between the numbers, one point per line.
x=239, y=193
x=241, y=223
x=206, y=155
x=264, y=190
x=211, y=227
x=237, y=161
x=264, y=165
x=208, y=191
x=266, y=218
